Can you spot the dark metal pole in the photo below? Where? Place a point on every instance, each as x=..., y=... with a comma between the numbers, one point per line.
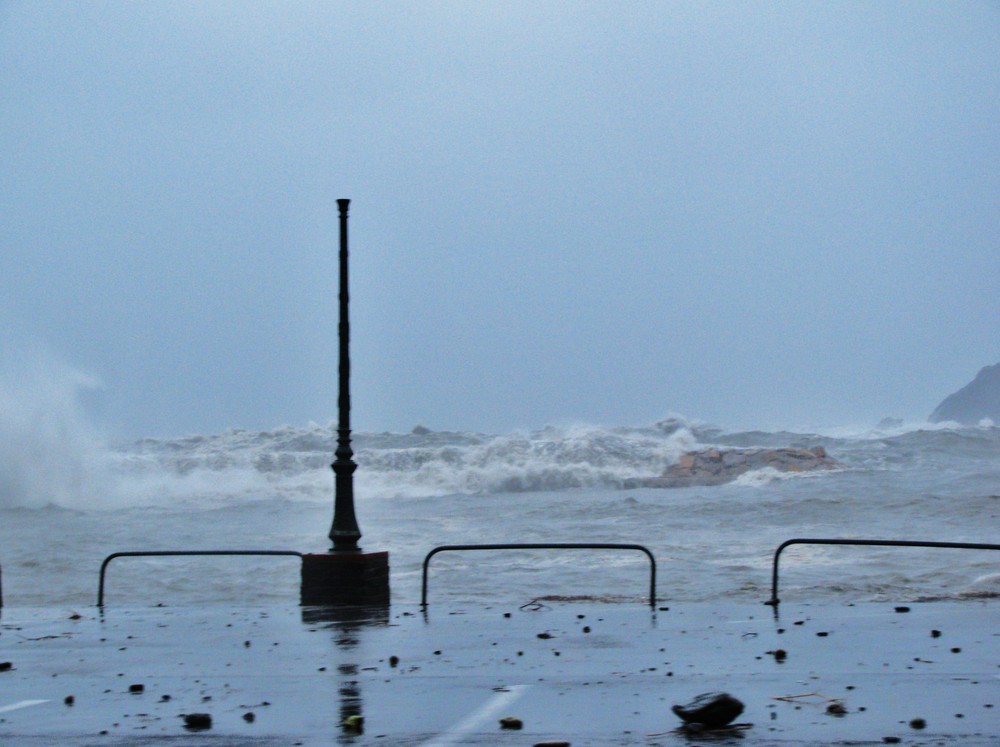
x=344, y=532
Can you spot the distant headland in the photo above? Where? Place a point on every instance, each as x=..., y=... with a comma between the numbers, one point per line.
x=976, y=401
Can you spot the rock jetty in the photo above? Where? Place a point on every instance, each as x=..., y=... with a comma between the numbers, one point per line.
x=719, y=466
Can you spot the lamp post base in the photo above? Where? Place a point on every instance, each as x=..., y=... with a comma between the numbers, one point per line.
x=345, y=579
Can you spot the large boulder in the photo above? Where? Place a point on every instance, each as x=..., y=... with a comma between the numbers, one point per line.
x=976, y=401
x=718, y=466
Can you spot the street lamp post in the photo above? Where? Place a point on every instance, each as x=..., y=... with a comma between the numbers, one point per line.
x=344, y=531
x=344, y=576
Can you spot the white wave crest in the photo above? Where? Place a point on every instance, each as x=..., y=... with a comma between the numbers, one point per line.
x=241, y=465
x=552, y=459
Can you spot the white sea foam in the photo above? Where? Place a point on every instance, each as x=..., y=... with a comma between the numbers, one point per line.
x=758, y=478
x=985, y=586
x=891, y=429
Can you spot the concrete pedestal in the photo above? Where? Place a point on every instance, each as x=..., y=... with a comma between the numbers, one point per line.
x=345, y=579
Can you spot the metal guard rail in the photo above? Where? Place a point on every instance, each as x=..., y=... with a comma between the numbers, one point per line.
x=774, y=601
x=544, y=546
x=162, y=553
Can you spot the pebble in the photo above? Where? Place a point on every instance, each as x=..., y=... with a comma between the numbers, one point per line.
x=197, y=721
x=918, y=723
x=509, y=722
x=135, y=689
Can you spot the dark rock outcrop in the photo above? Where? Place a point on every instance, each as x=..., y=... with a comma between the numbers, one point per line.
x=976, y=401
x=717, y=466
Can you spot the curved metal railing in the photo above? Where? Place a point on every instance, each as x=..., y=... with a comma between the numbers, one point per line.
x=544, y=546
x=774, y=601
x=168, y=553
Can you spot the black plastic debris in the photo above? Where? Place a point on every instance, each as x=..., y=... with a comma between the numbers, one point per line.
x=710, y=710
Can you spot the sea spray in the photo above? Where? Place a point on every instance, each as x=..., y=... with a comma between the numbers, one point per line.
x=49, y=452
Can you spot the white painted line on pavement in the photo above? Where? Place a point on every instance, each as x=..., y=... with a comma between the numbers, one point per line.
x=21, y=704
x=471, y=722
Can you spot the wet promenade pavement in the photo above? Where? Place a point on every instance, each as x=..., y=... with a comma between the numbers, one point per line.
x=577, y=673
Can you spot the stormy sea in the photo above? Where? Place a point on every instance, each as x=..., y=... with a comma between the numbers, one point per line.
x=67, y=501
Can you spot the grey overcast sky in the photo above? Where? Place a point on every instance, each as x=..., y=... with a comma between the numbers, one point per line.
x=759, y=214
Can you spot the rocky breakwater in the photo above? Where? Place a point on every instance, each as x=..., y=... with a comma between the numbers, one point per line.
x=719, y=466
